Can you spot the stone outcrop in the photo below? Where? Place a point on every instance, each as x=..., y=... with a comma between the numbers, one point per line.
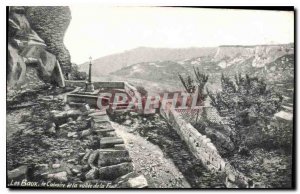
x=261, y=54
x=51, y=23
x=31, y=60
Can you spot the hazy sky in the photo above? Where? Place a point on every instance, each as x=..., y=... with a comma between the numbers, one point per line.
x=100, y=31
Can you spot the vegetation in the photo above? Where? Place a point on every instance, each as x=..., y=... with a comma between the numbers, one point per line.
x=249, y=107
x=75, y=74
x=192, y=85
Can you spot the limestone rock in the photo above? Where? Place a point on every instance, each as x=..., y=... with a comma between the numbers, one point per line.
x=86, y=133
x=60, y=176
x=92, y=174
x=138, y=182
x=29, y=61
x=72, y=134
x=18, y=173
x=55, y=165
x=93, y=157
x=51, y=23
x=52, y=130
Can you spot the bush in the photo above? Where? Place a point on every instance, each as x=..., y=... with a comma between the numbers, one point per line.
x=249, y=106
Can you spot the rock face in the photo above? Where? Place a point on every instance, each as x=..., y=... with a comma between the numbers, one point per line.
x=261, y=54
x=31, y=60
x=51, y=23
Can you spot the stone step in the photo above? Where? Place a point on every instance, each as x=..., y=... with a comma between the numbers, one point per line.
x=100, y=113
x=108, y=157
x=120, y=147
x=114, y=171
x=104, y=125
x=108, y=134
x=100, y=131
x=109, y=142
x=100, y=124
x=100, y=118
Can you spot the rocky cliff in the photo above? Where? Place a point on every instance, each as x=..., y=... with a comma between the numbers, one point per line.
x=262, y=54
x=51, y=23
x=35, y=46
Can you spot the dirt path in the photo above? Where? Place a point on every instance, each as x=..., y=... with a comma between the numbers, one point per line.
x=149, y=160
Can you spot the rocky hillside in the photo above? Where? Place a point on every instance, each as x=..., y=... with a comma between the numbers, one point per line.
x=35, y=46
x=233, y=57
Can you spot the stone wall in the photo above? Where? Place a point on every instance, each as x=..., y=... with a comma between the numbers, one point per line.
x=114, y=85
x=97, y=85
x=51, y=23
x=132, y=91
x=204, y=150
x=75, y=83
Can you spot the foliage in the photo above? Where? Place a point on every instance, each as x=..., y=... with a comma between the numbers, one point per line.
x=248, y=105
x=188, y=83
x=201, y=78
x=75, y=74
x=191, y=84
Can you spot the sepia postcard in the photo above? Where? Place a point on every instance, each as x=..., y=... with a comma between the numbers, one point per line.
x=150, y=97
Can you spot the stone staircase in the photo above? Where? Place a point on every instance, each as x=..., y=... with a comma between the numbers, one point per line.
x=111, y=159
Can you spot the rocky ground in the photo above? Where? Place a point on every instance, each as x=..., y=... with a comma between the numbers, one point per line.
x=54, y=144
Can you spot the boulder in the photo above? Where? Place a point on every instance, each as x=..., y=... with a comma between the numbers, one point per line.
x=93, y=158
x=52, y=129
x=16, y=67
x=86, y=133
x=18, y=173
x=60, y=176
x=86, y=156
x=72, y=134
x=55, y=166
x=127, y=122
x=138, y=182
x=92, y=174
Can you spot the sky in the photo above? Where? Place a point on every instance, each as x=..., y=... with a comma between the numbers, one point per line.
x=100, y=31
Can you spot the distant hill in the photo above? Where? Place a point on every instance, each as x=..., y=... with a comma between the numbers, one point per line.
x=111, y=63
x=211, y=59
x=165, y=71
